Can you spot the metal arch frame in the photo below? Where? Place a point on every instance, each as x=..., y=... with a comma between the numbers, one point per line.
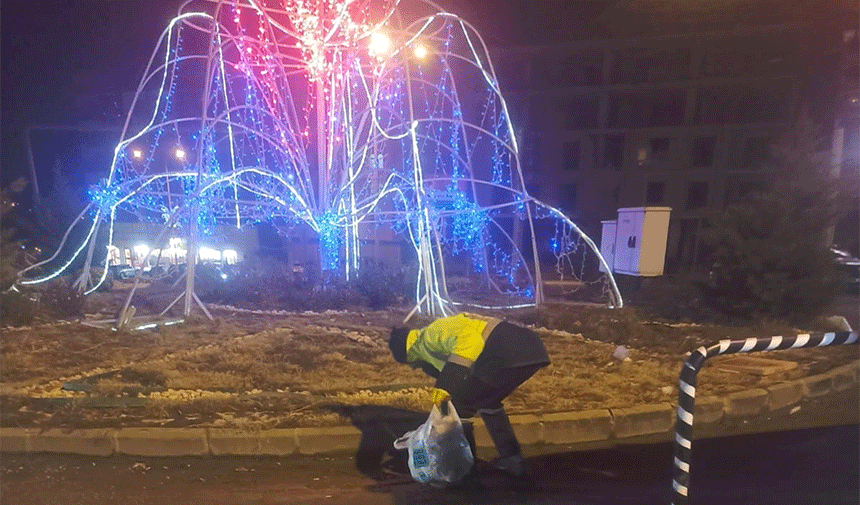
x=309, y=207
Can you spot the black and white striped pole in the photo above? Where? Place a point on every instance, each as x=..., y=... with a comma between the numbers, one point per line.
x=687, y=390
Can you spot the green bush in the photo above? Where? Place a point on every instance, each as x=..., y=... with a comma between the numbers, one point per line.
x=769, y=254
x=677, y=298
x=382, y=286
x=764, y=267
x=59, y=299
x=16, y=309
x=375, y=287
x=9, y=248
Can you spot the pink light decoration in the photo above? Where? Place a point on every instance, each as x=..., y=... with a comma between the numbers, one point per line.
x=322, y=26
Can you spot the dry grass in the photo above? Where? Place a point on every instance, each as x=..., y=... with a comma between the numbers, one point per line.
x=263, y=371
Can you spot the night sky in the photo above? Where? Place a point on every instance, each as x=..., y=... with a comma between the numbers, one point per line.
x=56, y=50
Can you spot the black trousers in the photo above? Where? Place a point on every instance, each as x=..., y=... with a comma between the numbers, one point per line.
x=477, y=395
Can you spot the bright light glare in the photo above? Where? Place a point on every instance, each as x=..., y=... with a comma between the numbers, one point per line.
x=421, y=51
x=141, y=249
x=380, y=44
x=180, y=154
x=209, y=254
x=137, y=154
x=230, y=256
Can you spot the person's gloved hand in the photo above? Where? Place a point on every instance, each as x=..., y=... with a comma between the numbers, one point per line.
x=437, y=396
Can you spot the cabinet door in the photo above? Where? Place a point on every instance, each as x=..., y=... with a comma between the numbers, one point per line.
x=628, y=240
x=652, y=255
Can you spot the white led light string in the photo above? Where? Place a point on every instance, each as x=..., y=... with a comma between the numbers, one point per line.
x=395, y=143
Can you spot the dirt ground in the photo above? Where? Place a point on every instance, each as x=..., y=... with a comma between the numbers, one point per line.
x=264, y=370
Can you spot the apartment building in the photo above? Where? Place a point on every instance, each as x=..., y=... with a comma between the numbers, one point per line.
x=677, y=109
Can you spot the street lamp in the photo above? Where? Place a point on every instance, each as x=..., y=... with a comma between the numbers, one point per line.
x=180, y=153
x=137, y=154
x=380, y=44
x=420, y=51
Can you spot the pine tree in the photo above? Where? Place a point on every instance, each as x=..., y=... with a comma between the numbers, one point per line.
x=8, y=247
x=15, y=307
x=770, y=251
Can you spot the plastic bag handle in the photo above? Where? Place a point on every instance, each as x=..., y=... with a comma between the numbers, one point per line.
x=403, y=442
x=453, y=412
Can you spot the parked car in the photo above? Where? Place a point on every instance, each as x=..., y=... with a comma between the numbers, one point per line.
x=154, y=272
x=202, y=271
x=123, y=272
x=211, y=272
x=847, y=264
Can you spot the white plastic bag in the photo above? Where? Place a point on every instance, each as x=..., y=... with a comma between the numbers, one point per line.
x=439, y=453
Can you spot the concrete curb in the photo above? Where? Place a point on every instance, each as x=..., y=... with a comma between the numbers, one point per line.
x=551, y=429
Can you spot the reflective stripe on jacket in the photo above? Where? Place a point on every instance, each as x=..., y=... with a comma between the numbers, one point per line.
x=459, y=339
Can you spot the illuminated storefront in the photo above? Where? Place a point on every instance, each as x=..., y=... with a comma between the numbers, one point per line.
x=135, y=246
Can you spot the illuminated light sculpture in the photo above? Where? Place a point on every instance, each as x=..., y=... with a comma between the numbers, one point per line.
x=341, y=116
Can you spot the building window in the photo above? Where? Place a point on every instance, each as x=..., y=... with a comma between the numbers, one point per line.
x=613, y=152
x=655, y=193
x=641, y=109
x=638, y=65
x=584, y=69
x=538, y=113
x=713, y=105
x=697, y=195
x=756, y=152
x=703, y=151
x=571, y=156
x=738, y=190
x=741, y=104
x=581, y=112
x=568, y=197
x=659, y=149
x=642, y=156
x=656, y=152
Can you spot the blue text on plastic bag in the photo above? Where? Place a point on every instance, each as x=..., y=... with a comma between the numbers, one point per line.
x=439, y=453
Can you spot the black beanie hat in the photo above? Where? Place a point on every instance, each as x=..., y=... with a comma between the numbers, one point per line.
x=397, y=343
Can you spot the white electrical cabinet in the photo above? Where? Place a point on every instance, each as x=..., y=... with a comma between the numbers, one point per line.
x=640, y=240
x=639, y=246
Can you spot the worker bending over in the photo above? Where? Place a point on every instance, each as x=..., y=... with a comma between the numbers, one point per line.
x=477, y=362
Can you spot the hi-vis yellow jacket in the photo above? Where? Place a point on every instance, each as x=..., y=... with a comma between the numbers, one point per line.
x=457, y=339
x=454, y=348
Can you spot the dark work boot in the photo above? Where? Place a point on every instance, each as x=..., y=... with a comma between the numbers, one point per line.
x=469, y=432
x=499, y=427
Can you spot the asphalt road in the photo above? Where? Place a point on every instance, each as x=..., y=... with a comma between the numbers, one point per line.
x=800, y=467
x=813, y=466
